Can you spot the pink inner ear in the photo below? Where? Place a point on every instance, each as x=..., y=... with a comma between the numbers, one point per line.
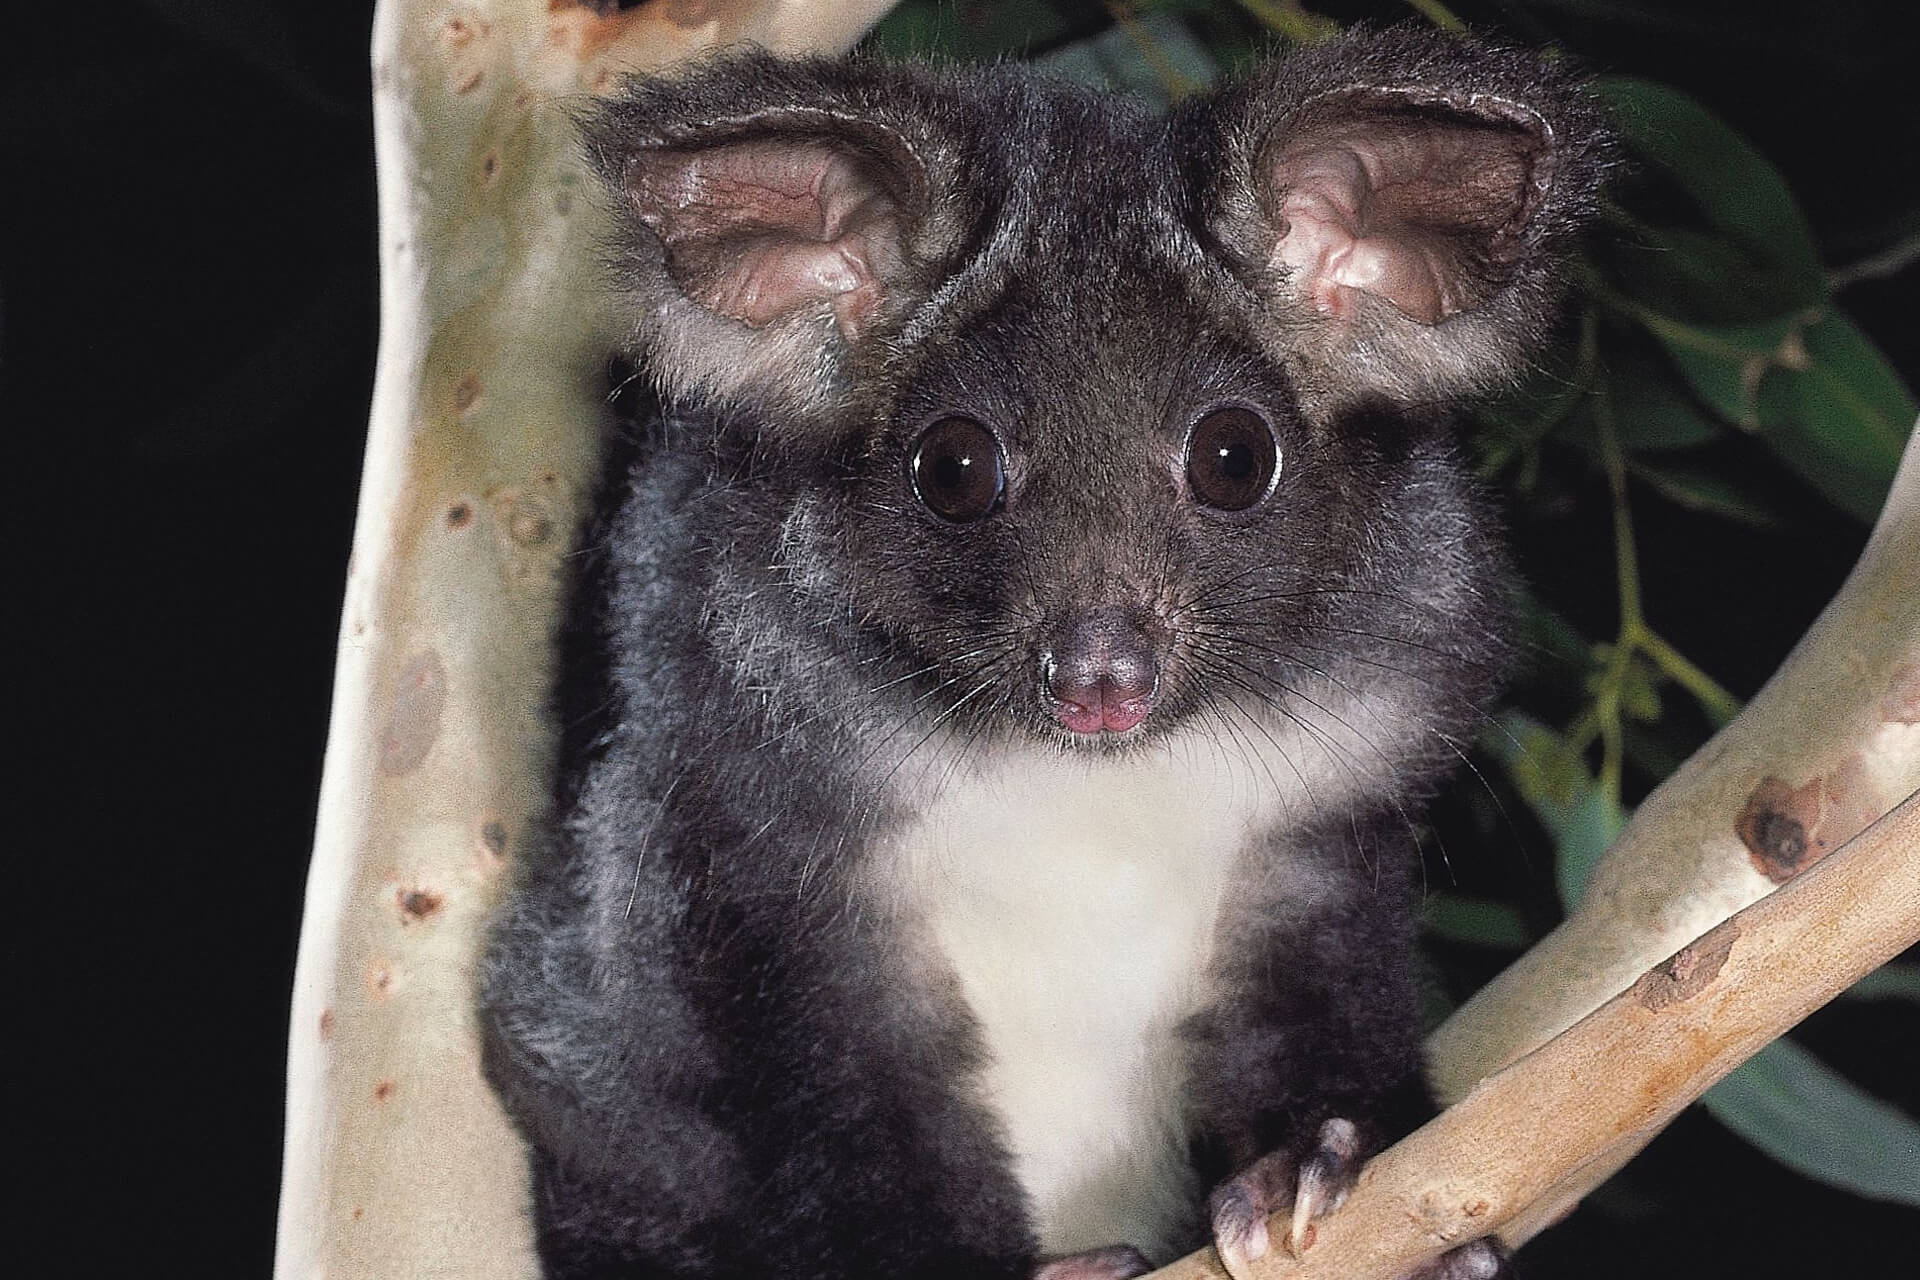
x=1424, y=213
x=759, y=230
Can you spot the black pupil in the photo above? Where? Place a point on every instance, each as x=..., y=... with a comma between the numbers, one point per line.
x=956, y=470
x=1231, y=459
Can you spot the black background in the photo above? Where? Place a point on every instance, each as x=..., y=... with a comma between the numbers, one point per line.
x=188, y=294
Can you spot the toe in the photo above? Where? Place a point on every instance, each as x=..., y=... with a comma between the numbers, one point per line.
x=1115, y=1262
x=1240, y=1206
x=1482, y=1259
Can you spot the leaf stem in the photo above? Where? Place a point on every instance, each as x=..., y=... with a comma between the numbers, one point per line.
x=1292, y=21
x=1438, y=14
x=1720, y=705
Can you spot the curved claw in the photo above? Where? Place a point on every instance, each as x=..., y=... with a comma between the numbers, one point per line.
x=1325, y=1177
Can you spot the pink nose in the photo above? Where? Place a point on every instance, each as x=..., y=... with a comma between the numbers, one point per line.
x=1103, y=674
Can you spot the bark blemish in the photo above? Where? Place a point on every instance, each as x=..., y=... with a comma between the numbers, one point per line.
x=1902, y=702
x=383, y=1091
x=1689, y=971
x=382, y=982
x=413, y=722
x=467, y=36
x=493, y=837
x=467, y=392
x=417, y=904
x=1787, y=829
x=326, y=1025
x=458, y=515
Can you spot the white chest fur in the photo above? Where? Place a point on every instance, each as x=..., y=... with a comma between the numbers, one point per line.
x=1074, y=897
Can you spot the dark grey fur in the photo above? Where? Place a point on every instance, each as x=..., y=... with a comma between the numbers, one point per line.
x=727, y=1060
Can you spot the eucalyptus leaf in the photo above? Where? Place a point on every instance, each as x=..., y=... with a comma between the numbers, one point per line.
x=1152, y=57
x=1842, y=419
x=1736, y=189
x=1546, y=635
x=1895, y=981
x=1724, y=364
x=1706, y=277
x=1480, y=922
x=1651, y=406
x=971, y=32
x=1569, y=802
x=1711, y=491
x=1587, y=832
x=1798, y=1110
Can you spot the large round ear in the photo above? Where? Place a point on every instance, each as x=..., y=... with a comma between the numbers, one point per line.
x=1402, y=202
x=779, y=220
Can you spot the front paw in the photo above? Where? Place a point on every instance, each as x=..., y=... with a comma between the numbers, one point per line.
x=1241, y=1206
x=1315, y=1185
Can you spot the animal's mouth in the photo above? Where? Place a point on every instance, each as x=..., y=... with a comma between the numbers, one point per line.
x=1101, y=708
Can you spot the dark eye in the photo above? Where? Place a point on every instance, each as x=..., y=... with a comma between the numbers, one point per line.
x=1231, y=459
x=956, y=470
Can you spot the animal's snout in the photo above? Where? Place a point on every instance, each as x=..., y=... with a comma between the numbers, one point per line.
x=1102, y=671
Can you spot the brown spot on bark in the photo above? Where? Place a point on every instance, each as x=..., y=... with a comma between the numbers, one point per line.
x=413, y=722
x=383, y=1091
x=1788, y=829
x=462, y=30
x=1902, y=702
x=467, y=392
x=1689, y=971
x=326, y=1025
x=382, y=982
x=466, y=34
x=489, y=168
x=1773, y=826
x=417, y=904
x=530, y=527
x=357, y=1211
x=493, y=837
x=458, y=515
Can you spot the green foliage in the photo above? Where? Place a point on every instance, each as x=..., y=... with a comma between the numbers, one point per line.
x=1707, y=367
x=1796, y=1109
